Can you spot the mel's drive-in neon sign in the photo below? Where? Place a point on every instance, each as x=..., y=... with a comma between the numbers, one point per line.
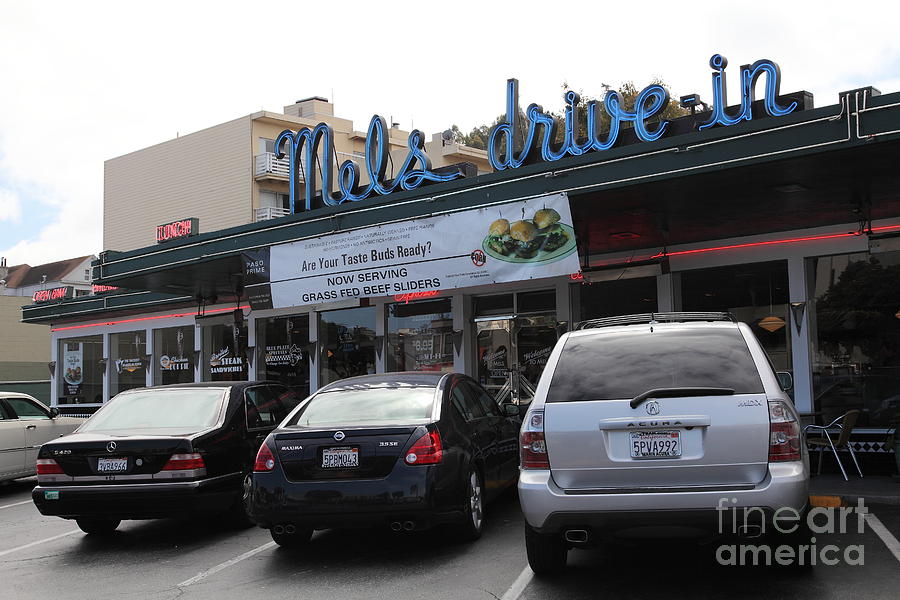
x=303, y=147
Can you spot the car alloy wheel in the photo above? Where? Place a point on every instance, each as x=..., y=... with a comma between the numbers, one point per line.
x=476, y=501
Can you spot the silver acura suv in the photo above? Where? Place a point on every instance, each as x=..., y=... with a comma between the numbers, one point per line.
x=659, y=425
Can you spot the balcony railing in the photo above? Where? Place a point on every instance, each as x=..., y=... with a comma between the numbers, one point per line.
x=267, y=164
x=271, y=212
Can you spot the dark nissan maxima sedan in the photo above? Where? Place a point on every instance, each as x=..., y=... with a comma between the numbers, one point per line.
x=407, y=451
x=159, y=452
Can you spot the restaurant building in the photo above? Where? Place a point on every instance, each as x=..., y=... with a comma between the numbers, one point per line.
x=784, y=214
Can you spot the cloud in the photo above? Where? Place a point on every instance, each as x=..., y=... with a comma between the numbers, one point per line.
x=10, y=206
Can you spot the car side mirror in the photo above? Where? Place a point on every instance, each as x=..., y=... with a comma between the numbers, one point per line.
x=786, y=380
x=511, y=410
x=54, y=412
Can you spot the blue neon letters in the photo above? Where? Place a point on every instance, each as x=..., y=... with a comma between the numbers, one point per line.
x=304, y=163
x=504, y=151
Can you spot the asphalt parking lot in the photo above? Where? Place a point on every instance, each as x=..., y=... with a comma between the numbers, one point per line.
x=42, y=557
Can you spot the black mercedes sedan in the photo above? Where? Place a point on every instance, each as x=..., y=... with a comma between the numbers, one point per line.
x=406, y=451
x=158, y=452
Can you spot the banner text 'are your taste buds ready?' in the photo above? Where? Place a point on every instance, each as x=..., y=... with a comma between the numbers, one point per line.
x=527, y=239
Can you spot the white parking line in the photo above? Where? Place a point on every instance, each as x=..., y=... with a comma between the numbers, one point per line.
x=519, y=585
x=224, y=565
x=886, y=536
x=15, y=504
x=49, y=539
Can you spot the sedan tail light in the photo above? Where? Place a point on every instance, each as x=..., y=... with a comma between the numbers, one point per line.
x=532, y=445
x=48, y=466
x=426, y=451
x=784, y=433
x=184, y=462
x=265, y=460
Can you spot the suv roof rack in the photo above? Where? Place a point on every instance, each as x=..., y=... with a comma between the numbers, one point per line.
x=659, y=317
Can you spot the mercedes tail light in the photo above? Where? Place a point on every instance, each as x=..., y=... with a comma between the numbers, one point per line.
x=184, y=462
x=48, y=466
x=784, y=433
x=426, y=451
x=532, y=445
x=265, y=460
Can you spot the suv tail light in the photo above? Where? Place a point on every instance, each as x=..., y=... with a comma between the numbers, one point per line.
x=426, y=451
x=532, y=446
x=48, y=466
x=784, y=433
x=265, y=460
x=184, y=462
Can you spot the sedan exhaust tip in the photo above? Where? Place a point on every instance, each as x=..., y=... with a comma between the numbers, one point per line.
x=279, y=529
x=576, y=536
x=396, y=526
x=290, y=529
x=408, y=525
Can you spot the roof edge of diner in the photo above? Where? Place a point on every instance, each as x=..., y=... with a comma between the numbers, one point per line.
x=811, y=131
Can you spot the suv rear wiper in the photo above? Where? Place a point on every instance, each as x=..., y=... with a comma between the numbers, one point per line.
x=680, y=392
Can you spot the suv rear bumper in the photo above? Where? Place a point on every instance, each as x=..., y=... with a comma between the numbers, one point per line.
x=550, y=509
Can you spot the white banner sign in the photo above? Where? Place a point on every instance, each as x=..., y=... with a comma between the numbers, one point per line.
x=521, y=240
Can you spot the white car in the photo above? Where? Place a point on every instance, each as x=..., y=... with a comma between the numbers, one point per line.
x=25, y=424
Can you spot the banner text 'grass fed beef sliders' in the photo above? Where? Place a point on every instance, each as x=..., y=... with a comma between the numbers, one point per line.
x=523, y=233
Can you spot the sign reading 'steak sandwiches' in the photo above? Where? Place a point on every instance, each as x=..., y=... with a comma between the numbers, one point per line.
x=177, y=230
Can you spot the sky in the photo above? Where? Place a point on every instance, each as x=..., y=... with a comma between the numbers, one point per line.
x=83, y=82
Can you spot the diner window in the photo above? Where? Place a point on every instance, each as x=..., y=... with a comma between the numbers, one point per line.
x=173, y=355
x=347, y=339
x=128, y=364
x=420, y=336
x=855, y=314
x=225, y=352
x=615, y=297
x=81, y=370
x=282, y=344
x=756, y=294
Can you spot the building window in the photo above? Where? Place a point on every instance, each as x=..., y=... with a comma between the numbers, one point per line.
x=347, y=339
x=87, y=274
x=128, y=361
x=173, y=355
x=225, y=352
x=420, y=336
x=282, y=344
x=855, y=313
x=757, y=294
x=613, y=298
x=81, y=370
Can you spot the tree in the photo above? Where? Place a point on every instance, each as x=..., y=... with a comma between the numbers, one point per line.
x=478, y=136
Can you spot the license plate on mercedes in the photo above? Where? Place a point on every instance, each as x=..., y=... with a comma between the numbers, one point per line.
x=340, y=458
x=655, y=444
x=112, y=465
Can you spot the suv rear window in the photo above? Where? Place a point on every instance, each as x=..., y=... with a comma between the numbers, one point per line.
x=614, y=366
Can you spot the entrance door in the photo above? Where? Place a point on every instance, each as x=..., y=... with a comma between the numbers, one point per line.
x=512, y=352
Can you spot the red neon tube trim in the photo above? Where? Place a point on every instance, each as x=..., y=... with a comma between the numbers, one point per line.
x=153, y=318
x=810, y=238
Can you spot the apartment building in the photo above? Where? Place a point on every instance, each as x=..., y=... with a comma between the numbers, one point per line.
x=228, y=175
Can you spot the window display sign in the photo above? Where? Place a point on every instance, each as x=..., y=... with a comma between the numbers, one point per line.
x=223, y=362
x=73, y=358
x=527, y=239
x=129, y=365
x=283, y=355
